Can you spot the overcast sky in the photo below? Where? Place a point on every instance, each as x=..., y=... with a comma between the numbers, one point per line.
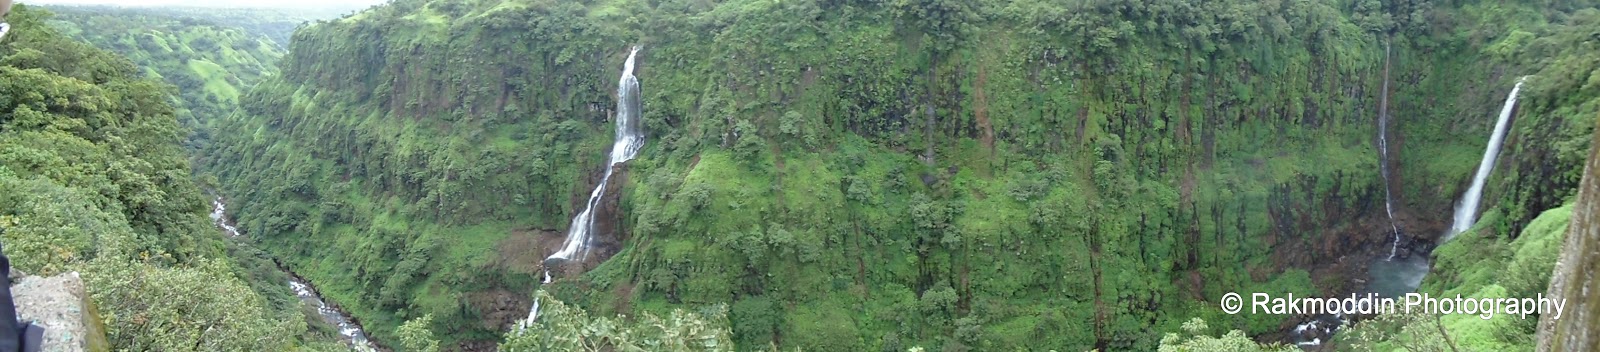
x=314, y=4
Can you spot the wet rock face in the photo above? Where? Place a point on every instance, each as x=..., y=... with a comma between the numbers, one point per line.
x=60, y=305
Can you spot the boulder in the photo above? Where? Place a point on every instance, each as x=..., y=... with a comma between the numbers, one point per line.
x=61, y=305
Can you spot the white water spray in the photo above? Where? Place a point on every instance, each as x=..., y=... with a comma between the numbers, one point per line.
x=1467, y=210
x=532, y=314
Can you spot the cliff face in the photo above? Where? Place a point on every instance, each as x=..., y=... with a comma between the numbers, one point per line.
x=1575, y=278
x=1095, y=172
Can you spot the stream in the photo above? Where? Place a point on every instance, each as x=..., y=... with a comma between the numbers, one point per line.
x=349, y=331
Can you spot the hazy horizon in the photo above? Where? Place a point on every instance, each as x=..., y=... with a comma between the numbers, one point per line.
x=285, y=4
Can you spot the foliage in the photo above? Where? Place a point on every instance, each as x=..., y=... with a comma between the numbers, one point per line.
x=559, y=327
x=167, y=309
x=210, y=63
x=415, y=335
x=93, y=180
x=1404, y=331
x=1234, y=341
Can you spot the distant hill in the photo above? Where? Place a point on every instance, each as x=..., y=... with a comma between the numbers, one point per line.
x=210, y=55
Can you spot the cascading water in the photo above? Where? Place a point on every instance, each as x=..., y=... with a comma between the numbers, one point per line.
x=218, y=215
x=1467, y=210
x=1311, y=334
x=629, y=139
x=624, y=149
x=347, y=328
x=1383, y=154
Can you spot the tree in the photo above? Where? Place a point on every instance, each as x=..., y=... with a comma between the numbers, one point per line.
x=559, y=327
x=1410, y=331
x=1233, y=341
x=183, y=309
x=416, y=336
x=947, y=23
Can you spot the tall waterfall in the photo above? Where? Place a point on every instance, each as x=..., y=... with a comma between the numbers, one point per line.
x=1467, y=211
x=1383, y=153
x=624, y=149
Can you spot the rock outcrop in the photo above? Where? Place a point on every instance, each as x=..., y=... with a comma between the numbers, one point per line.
x=61, y=305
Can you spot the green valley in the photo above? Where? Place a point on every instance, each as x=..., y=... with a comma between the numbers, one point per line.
x=822, y=175
x=93, y=179
x=210, y=64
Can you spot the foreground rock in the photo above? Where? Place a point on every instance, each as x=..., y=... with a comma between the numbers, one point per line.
x=60, y=305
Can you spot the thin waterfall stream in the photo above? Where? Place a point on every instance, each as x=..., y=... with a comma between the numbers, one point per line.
x=625, y=148
x=1383, y=154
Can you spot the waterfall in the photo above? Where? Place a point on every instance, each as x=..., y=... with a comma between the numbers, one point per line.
x=624, y=149
x=532, y=314
x=1383, y=154
x=1467, y=210
x=629, y=139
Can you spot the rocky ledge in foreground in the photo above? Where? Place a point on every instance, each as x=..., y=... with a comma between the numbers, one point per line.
x=61, y=305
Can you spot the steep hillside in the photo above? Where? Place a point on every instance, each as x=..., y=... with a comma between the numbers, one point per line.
x=211, y=64
x=853, y=175
x=93, y=179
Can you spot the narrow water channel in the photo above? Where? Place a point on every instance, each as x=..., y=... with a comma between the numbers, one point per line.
x=349, y=331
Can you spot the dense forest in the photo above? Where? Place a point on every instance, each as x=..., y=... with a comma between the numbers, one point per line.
x=826, y=175
x=851, y=175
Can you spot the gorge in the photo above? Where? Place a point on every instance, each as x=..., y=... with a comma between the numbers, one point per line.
x=818, y=174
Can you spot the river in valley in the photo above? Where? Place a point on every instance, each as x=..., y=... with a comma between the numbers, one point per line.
x=349, y=331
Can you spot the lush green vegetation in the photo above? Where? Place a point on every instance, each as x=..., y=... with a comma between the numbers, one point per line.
x=563, y=328
x=210, y=64
x=93, y=179
x=853, y=175
x=1233, y=341
x=277, y=24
